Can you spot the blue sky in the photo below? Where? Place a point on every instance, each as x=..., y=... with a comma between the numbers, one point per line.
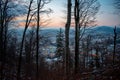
x=105, y=16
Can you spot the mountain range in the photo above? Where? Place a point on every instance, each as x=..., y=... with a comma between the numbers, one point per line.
x=52, y=32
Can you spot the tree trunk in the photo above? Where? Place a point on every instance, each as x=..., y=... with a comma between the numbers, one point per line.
x=67, y=28
x=76, y=15
x=37, y=39
x=114, y=50
x=22, y=43
x=3, y=36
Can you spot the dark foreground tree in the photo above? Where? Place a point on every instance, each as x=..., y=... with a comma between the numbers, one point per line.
x=5, y=18
x=40, y=6
x=37, y=38
x=33, y=14
x=114, y=50
x=29, y=53
x=23, y=38
x=84, y=15
x=67, y=28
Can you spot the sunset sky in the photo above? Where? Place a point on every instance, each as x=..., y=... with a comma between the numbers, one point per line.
x=105, y=16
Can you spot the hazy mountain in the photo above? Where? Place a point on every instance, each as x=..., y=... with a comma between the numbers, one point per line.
x=103, y=30
x=51, y=32
x=106, y=30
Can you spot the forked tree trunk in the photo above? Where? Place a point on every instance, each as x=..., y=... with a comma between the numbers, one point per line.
x=22, y=43
x=37, y=39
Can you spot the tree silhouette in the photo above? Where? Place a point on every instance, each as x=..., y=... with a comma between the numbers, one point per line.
x=84, y=16
x=114, y=50
x=67, y=28
x=5, y=19
x=22, y=43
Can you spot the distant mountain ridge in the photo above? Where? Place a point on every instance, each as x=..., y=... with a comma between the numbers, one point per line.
x=103, y=30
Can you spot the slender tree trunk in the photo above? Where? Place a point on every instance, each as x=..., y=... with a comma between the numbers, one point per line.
x=22, y=43
x=67, y=28
x=3, y=36
x=97, y=62
x=1, y=41
x=114, y=50
x=87, y=51
x=76, y=15
x=37, y=39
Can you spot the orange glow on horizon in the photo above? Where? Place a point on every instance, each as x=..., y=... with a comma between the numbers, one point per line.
x=22, y=24
x=49, y=23
x=56, y=22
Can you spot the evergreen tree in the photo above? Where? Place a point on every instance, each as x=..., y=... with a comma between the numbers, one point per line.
x=60, y=44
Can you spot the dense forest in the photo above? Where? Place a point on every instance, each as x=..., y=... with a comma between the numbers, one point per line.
x=84, y=51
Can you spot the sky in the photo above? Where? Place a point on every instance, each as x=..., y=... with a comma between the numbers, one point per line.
x=105, y=16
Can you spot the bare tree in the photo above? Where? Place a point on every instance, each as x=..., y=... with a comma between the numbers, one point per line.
x=86, y=46
x=97, y=61
x=76, y=14
x=23, y=38
x=40, y=5
x=37, y=38
x=67, y=28
x=30, y=17
x=84, y=14
x=114, y=50
x=29, y=52
x=5, y=19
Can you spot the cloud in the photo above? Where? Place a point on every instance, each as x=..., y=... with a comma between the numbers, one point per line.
x=16, y=9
